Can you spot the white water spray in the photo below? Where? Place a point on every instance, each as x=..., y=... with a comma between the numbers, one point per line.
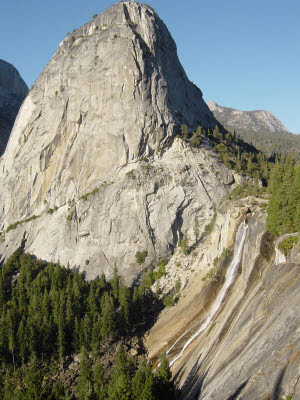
x=229, y=278
x=279, y=256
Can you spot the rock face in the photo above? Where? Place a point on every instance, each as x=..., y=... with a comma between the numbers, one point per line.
x=251, y=348
x=258, y=120
x=145, y=205
x=93, y=172
x=113, y=93
x=12, y=93
x=260, y=128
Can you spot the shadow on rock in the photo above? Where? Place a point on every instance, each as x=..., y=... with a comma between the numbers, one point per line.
x=238, y=391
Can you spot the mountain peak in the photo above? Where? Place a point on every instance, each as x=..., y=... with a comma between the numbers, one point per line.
x=258, y=120
x=258, y=127
x=12, y=92
x=11, y=83
x=212, y=105
x=113, y=94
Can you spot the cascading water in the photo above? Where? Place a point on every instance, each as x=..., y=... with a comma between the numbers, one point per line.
x=229, y=278
x=279, y=256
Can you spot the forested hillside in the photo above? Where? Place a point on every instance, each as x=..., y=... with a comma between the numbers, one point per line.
x=259, y=128
x=49, y=313
x=231, y=150
x=284, y=205
x=270, y=143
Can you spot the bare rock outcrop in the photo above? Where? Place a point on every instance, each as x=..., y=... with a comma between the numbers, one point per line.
x=72, y=175
x=258, y=127
x=251, y=347
x=145, y=205
x=258, y=120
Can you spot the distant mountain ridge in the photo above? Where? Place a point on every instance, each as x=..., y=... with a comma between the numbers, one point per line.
x=259, y=127
x=13, y=90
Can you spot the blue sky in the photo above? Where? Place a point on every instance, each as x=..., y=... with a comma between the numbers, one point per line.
x=242, y=54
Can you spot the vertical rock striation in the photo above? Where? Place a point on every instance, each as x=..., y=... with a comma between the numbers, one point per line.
x=251, y=347
x=112, y=94
x=113, y=91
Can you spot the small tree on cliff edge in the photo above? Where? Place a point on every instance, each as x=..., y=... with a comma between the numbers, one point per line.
x=164, y=384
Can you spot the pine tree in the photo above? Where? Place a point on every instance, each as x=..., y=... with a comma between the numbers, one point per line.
x=119, y=387
x=11, y=327
x=184, y=132
x=217, y=134
x=184, y=244
x=84, y=386
x=115, y=283
x=4, y=355
x=108, y=317
x=34, y=335
x=283, y=209
x=296, y=188
x=124, y=304
x=22, y=340
x=86, y=327
x=238, y=163
x=164, y=371
x=102, y=285
x=143, y=382
x=96, y=333
x=99, y=384
x=34, y=380
x=77, y=340
x=7, y=389
x=61, y=337
x=58, y=392
x=46, y=304
x=70, y=323
x=1, y=292
x=164, y=386
x=92, y=298
x=275, y=204
x=197, y=137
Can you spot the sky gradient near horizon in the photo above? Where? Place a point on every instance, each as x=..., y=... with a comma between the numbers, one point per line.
x=244, y=55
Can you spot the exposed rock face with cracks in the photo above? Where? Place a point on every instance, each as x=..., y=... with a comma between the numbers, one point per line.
x=258, y=120
x=251, y=347
x=113, y=92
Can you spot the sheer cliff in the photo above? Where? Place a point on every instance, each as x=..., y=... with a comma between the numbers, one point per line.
x=92, y=172
x=12, y=93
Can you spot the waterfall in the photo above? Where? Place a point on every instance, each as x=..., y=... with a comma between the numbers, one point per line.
x=279, y=256
x=229, y=278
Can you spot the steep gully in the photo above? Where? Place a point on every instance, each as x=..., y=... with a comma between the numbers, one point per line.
x=178, y=348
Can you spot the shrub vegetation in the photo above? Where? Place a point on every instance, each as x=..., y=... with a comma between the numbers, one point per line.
x=287, y=244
